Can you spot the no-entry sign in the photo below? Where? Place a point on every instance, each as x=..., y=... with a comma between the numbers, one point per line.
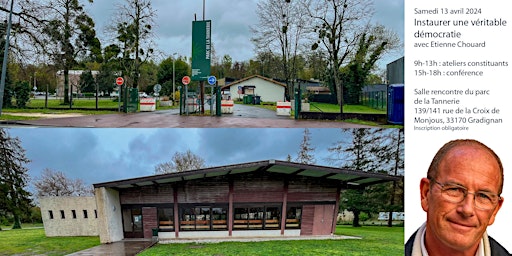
x=119, y=81
x=185, y=80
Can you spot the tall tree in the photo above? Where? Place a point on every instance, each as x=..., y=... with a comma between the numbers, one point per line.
x=372, y=44
x=180, y=162
x=305, y=156
x=87, y=82
x=71, y=36
x=339, y=24
x=14, y=198
x=56, y=183
x=281, y=28
x=134, y=31
x=392, y=157
x=360, y=153
x=165, y=74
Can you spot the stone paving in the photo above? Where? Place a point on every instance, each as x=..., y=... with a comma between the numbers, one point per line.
x=128, y=247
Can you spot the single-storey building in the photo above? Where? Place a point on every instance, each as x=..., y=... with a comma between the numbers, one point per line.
x=267, y=89
x=263, y=198
x=74, y=81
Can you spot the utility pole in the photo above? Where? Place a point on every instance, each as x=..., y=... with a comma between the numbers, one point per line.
x=6, y=56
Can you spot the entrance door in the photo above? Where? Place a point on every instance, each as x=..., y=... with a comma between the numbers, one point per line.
x=323, y=219
x=132, y=223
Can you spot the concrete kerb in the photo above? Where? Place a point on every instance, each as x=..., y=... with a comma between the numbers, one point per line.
x=252, y=239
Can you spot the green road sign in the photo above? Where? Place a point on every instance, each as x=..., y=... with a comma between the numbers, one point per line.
x=201, y=49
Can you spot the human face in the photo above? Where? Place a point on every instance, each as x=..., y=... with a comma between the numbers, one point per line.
x=458, y=227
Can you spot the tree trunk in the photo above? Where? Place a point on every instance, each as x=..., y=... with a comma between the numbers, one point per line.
x=355, y=223
x=17, y=222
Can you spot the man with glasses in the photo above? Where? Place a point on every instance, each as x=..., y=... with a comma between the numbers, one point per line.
x=461, y=196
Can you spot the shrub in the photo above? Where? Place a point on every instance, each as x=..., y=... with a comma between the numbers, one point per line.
x=22, y=92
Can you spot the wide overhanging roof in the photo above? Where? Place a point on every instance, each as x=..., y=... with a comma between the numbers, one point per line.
x=348, y=178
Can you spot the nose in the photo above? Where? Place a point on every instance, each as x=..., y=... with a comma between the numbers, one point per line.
x=467, y=206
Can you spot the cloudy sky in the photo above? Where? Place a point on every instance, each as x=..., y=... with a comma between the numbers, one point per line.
x=231, y=20
x=101, y=155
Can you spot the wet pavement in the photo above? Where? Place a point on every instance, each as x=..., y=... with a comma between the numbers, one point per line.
x=128, y=247
x=243, y=117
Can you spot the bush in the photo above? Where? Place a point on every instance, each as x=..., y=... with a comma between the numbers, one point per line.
x=364, y=216
x=22, y=92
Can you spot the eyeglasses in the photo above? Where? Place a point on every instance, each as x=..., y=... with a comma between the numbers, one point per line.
x=456, y=193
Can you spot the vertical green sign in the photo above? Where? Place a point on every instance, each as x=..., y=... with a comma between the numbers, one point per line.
x=201, y=49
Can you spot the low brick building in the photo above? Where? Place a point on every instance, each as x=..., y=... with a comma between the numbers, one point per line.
x=265, y=198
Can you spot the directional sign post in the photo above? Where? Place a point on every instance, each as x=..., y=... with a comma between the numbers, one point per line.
x=185, y=80
x=119, y=81
x=212, y=80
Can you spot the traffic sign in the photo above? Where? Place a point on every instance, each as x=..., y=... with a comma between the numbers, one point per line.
x=157, y=88
x=119, y=81
x=185, y=80
x=212, y=80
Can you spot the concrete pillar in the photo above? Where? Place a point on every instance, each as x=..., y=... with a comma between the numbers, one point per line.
x=110, y=224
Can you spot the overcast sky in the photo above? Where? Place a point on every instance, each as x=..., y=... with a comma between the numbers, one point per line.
x=231, y=20
x=101, y=155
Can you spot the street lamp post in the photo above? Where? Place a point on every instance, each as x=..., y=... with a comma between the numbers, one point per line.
x=6, y=54
x=173, y=78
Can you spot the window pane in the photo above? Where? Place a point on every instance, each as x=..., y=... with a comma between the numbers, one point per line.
x=256, y=217
x=165, y=218
x=203, y=218
x=293, y=217
x=272, y=218
x=188, y=218
x=241, y=216
x=219, y=218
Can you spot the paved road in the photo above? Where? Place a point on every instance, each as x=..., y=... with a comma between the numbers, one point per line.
x=243, y=117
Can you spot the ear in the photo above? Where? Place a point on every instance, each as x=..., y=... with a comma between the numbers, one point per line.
x=424, y=190
x=491, y=220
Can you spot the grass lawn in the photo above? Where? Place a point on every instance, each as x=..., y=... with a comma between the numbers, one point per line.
x=34, y=242
x=87, y=107
x=375, y=241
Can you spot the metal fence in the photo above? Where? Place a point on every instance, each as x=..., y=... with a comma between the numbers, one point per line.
x=376, y=99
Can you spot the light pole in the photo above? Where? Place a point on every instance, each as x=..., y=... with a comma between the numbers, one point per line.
x=173, y=78
x=6, y=55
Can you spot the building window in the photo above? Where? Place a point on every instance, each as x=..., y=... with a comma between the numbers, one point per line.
x=293, y=217
x=95, y=214
x=73, y=212
x=257, y=217
x=203, y=218
x=219, y=219
x=62, y=215
x=50, y=213
x=85, y=214
x=165, y=218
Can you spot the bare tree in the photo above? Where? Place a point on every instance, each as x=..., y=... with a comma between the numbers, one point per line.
x=282, y=28
x=55, y=183
x=339, y=24
x=305, y=156
x=26, y=39
x=180, y=162
x=70, y=36
x=133, y=28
